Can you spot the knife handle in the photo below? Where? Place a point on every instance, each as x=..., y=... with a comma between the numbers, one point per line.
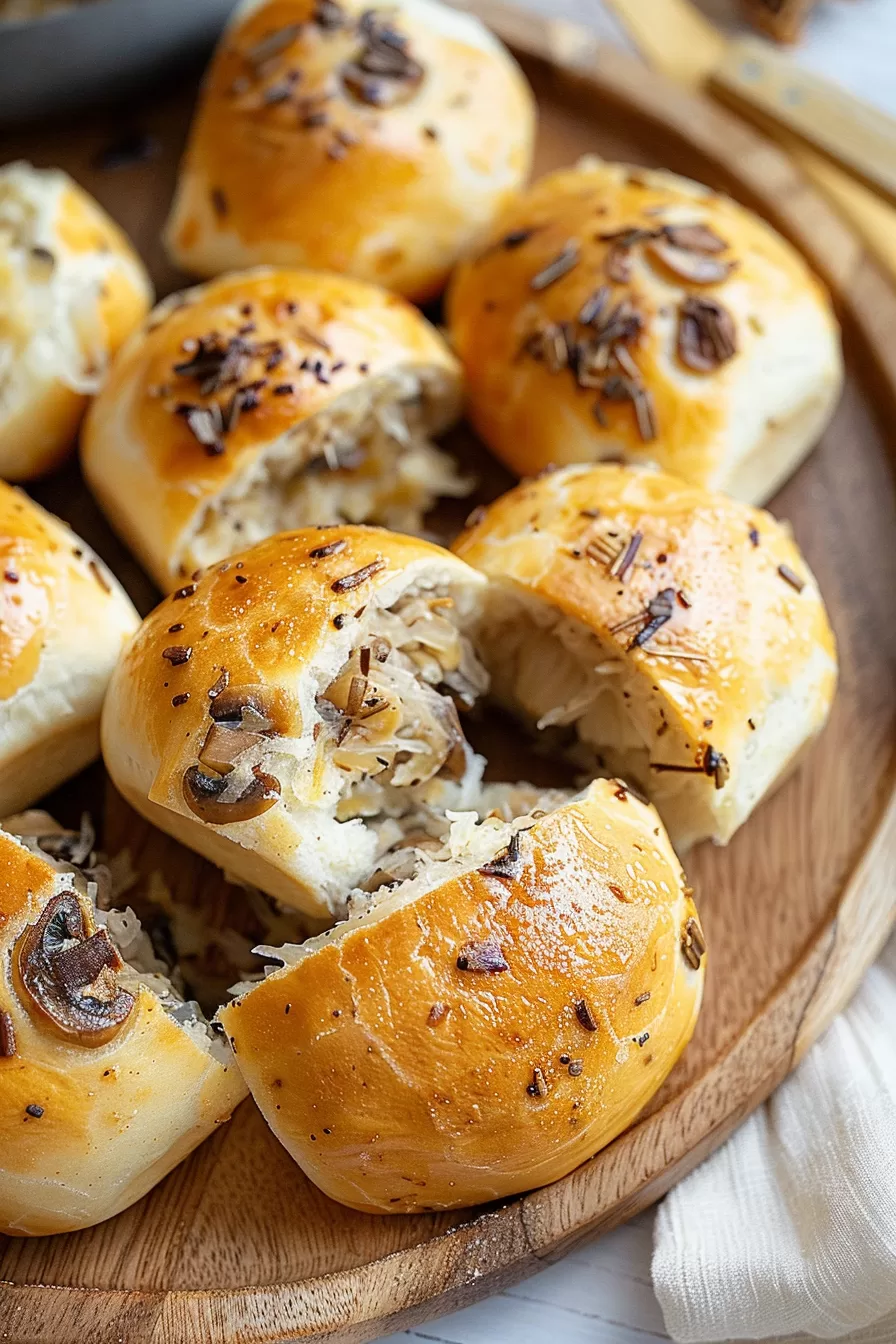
x=755, y=78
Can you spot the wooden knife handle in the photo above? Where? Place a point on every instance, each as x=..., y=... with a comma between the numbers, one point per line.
x=753, y=76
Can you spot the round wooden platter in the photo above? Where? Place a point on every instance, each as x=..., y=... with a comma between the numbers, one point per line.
x=236, y=1247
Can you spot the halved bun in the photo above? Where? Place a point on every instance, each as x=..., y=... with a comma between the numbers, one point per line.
x=264, y=401
x=489, y=1025
x=64, y=621
x=376, y=141
x=231, y=719
x=108, y=1078
x=658, y=631
x=620, y=311
x=71, y=288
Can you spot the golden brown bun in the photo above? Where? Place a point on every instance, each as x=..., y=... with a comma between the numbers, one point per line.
x=71, y=288
x=400, y=1082
x=91, y=1117
x=575, y=559
x=339, y=346
x=272, y=625
x=287, y=165
x=64, y=620
x=759, y=384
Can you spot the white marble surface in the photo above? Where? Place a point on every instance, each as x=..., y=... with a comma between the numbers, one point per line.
x=602, y=1293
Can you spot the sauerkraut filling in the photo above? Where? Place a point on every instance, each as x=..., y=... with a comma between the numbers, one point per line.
x=591, y=706
x=367, y=459
x=100, y=886
x=444, y=847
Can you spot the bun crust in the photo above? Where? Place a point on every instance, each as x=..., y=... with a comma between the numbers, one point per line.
x=71, y=288
x=401, y=1083
x=758, y=668
x=89, y=1127
x=296, y=158
x=271, y=622
x=64, y=621
x=320, y=342
x=763, y=369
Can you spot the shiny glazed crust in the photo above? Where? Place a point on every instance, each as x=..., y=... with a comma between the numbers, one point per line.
x=293, y=162
x=269, y=619
x=741, y=423
x=71, y=289
x=64, y=621
x=338, y=339
x=757, y=672
x=88, y=1129
x=400, y=1082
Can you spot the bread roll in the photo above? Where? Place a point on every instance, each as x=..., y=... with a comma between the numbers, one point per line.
x=247, y=720
x=71, y=288
x=617, y=311
x=379, y=142
x=265, y=401
x=107, y=1078
x=488, y=1025
x=677, y=638
x=64, y=620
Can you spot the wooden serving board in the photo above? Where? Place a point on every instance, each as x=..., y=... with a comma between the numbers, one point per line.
x=236, y=1247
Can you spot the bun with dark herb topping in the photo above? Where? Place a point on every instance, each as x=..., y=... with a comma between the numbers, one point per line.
x=293, y=712
x=379, y=141
x=108, y=1078
x=670, y=635
x=487, y=1024
x=269, y=400
x=619, y=312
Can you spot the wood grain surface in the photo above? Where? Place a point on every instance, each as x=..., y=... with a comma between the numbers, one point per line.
x=236, y=1247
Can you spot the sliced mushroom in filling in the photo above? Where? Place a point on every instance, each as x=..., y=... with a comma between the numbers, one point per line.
x=82, y=962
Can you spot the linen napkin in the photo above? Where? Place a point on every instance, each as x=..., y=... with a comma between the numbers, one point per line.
x=790, y=1228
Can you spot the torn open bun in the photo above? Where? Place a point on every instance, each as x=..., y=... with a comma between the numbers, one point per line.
x=71, y=289
x=375, y=140
x=620, y=311
x=488, y=1024
x=291, y=712
x=656, y=631
x=108, y=1078
x=63, y=621
x=270, y=400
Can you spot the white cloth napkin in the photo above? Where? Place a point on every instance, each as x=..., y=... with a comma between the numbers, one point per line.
x=790, y=1229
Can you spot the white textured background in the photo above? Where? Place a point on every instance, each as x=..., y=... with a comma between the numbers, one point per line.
x=602, y=1294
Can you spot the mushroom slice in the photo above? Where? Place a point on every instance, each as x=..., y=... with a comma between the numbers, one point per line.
x=696, y=268
x=202, y=793
x=72, y=974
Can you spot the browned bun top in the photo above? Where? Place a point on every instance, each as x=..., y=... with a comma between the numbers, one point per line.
x=266, y=630
x=102, y=1092
x=375, y=140
x=615, y=310
x=489, y=1034
x=221, y=372
x=704, y=605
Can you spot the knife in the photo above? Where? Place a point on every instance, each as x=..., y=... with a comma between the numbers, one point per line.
x=846, y=147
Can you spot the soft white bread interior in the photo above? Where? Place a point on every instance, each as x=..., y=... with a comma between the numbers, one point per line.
x=656, y=631
x=615, y=311
x=63, y=623
x=108, y=1078
x=269, y=400
x=375, y=140
x=71, y=288
x=293, y=712
x=487, y=1024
